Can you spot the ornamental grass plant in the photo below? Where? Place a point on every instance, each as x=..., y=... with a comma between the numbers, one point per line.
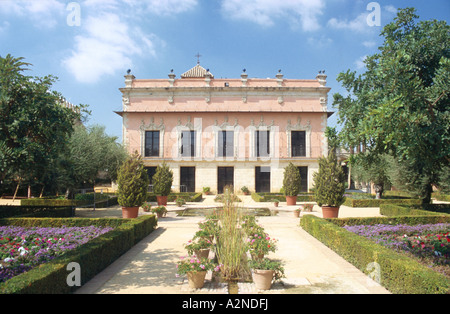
x=230, y=246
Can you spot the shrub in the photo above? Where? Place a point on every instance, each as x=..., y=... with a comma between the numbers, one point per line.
x=291, y=180
x=132, y=180
x=329, y=185
x=399, y=274
x=162, y=180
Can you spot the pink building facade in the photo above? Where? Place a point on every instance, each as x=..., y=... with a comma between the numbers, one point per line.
x=218, y=132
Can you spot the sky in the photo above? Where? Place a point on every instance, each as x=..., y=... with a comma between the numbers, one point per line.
x=90, y=44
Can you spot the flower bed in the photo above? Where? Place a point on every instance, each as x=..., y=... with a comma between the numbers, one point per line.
x=429, y=243
x=399, y=272
x=21, y=248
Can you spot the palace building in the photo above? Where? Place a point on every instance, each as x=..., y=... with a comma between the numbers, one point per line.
x=216, y=132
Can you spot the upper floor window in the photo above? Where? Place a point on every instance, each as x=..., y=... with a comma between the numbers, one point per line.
x=225, y=144
x=188, y=143
x=152, y=144
x=298, y=144
x=262, y=141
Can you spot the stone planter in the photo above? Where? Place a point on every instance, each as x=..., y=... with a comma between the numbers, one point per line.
x=130, y=212
x=330, y=212
x=291, y=200
x=262, y=278
x=196, y=280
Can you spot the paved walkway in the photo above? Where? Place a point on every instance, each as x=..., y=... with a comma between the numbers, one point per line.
x=310, y=267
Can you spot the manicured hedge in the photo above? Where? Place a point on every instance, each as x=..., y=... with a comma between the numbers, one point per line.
x=377, y=202
x=36, y=211
x=399, y=274
x=187, y=196
x=425, y=209
x=441, y=197
x=102, y=202
x=93, y=257
x=268, y=197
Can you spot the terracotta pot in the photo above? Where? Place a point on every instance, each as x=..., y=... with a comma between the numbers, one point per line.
x=204, y=253
x=262, y=278
x=275, y=204
x=291, y=200
x=330, y=212
x=196, y=280
x=162, y=200
x=296, y=213
x=130, y=212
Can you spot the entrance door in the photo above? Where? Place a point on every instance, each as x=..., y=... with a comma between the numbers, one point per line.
x=225, y=176
x=262, y=179
x=187, y=179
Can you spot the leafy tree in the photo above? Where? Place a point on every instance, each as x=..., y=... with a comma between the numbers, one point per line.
x=333, y=138
x=34, y=125
x=365, y=168
x=400, y=105
x=91, y=150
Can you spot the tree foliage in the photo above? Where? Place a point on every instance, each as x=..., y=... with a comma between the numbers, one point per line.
x=34, y=125
x=400, y=105
x=291, y=180
x=132, y=181
x=329, y=182
x=162, y=180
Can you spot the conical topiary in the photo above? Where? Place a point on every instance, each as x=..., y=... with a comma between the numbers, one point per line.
x=132, y=181
x=329, y=187
x=292, y=180
x=162, y=180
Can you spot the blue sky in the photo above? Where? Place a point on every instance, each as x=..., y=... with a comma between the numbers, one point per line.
x=90, y=44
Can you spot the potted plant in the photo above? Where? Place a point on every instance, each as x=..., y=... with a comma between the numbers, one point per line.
x=195, y=269
x=329, y=187
x=206, y=190
x=291, y=183
x=162, y=183
x=146, y=207
x=132, y=181
x=259, y=243
x=199, y=247
x=264, y=271
x=275, y=202
x=297, y=212
x=180, y=201
x=160, y=211
x=308, y=207
x=245, y=190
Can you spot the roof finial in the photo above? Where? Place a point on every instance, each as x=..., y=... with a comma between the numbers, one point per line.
x=198, y=55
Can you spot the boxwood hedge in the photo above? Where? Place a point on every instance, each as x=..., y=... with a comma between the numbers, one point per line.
x=399, y=274
x=93, y=257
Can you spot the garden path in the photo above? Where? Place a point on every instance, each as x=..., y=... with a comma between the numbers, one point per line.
x=310, y=267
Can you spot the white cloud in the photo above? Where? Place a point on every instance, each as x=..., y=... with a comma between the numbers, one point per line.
x=107, y=46
x=265, y=12
x=359, y=24
x=42, y=13
x=369, y=44
x=360, y=63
